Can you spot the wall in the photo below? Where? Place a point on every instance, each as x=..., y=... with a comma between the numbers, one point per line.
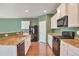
x=10, y=25
x=33, y=21
x=49, y=22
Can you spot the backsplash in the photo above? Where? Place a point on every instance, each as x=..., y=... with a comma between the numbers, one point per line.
x=60, y=29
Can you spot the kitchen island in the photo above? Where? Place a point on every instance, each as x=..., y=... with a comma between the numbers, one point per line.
x=13, y=45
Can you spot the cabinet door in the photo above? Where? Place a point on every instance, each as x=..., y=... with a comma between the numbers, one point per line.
x=54, y=22
x=63, y=49
x=63, y=9
x=73, y=51
x=73, y=15
x=50, y=40
x=59, y=12
x=27, y=43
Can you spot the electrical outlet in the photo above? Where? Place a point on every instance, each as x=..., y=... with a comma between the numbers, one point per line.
x=77, y=32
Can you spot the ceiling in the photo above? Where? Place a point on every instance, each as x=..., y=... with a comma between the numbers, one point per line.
x=17, y=10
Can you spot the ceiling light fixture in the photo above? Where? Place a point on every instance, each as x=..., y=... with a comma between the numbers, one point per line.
x=45, y=11
x=26, y=10
x=58, y=11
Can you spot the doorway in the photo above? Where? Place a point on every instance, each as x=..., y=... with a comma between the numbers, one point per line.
x=42, y=31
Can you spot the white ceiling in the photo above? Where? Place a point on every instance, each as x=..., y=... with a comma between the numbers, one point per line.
x=17, y=10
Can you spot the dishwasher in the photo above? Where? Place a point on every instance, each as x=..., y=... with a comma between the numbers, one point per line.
x=21, y=49
x=56, y=46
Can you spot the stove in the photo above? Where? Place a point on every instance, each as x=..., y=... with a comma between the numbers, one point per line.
x=56, y=41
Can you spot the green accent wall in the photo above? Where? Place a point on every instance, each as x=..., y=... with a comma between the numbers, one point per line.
x=49, y=22
x=10, y=24
x=34, y=22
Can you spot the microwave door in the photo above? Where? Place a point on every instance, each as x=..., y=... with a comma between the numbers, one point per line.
x=65, y=21
x=60, y=23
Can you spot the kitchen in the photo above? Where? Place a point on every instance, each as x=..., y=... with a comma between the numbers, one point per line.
x=65, y=30
x=57, y=30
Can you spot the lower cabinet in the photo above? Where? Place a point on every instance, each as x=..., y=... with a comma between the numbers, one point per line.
x=68, y=50
x=50, y=40
x=73, y=51
x=27, y=43
x=63, y=49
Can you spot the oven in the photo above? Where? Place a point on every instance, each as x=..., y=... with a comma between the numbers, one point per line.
x=56, y=41
x=56, y=46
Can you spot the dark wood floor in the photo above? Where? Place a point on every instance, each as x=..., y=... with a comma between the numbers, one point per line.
x=39, y=49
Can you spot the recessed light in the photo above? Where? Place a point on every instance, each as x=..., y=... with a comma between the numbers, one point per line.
x=45, y=11
x=58, y=11
x=26, y=10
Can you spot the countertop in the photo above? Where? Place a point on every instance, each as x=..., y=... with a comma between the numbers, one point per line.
x=54, y=34
x=12, y=40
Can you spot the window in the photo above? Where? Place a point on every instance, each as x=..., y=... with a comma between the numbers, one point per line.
x=25, y=24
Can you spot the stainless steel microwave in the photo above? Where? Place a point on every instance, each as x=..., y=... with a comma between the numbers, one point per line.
x=62, y=22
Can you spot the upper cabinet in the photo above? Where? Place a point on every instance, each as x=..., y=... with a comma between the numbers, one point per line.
x=62, y=10
x=73, y=15
x=54, y=22
x=71, y=10
x=58, y=12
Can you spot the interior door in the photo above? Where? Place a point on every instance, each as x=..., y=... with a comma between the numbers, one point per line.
x=42, y=31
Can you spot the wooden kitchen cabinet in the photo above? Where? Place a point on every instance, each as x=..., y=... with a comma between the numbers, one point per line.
x=73, y=15
x=50, y=40
x=54, y=22
x=63, y=49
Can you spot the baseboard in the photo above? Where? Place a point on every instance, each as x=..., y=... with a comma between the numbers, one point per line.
x=43, y=42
